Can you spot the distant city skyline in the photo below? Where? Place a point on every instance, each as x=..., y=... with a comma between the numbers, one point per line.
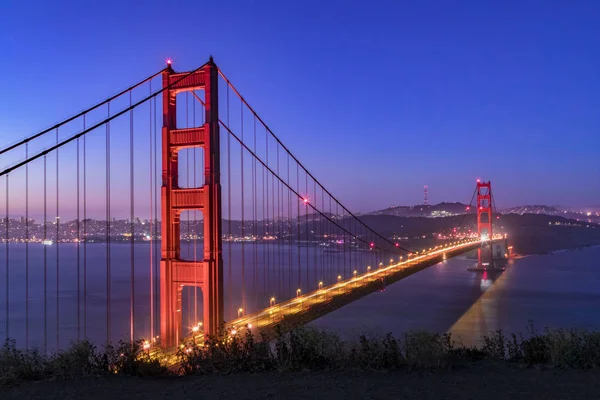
x=401, y=95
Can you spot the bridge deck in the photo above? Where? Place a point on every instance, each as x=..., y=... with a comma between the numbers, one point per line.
x=305, y=308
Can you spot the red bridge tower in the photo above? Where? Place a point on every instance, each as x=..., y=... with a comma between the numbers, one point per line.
x=484, y=224
x=176, y=273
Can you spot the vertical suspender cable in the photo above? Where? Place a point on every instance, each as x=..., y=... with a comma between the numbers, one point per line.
x=315, y=248
x=306, y=225
x=132, y=228
x=264, y=227
x=273, y=246
x=57, y=254
x=85, y=222
x=267, y=246
x=322, y=231
x=229, y=277
x=45, y=259
x=6, y=265
x=243, y=302
x=152, y=222
x=298, y=226
x=254, y=218
x=289, y=229
x=78, y=255
x=27, y=248
x=108, y=309
x=279, y=269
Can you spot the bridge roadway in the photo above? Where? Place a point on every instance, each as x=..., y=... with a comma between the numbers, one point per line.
x=304, y=308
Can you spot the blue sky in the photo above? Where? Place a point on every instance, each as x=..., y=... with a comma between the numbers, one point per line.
x=377, y=98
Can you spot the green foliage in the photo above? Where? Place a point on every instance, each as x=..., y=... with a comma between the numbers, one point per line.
x=80, y=359
x=224, y=353
x=301, y=349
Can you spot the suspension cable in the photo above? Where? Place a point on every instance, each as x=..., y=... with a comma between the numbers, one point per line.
x=301, y=165
x=97, y=125
x=56, y=126
x=290, y=188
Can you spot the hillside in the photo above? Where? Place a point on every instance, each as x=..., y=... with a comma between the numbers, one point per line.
x=529, y=233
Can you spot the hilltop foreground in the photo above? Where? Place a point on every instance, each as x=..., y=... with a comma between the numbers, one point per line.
x=477, y=381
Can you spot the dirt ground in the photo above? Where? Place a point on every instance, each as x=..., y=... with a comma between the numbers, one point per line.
x=483, y=381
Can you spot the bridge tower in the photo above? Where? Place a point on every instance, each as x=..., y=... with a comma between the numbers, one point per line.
x=176, y=273
x=484, y=224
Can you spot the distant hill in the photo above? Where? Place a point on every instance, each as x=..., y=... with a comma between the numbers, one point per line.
x=422, y=210
x=590, y=216
x=530, y=233
x=452, y=209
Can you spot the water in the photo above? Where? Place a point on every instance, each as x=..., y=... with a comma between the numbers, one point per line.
x=559, y=290
x=54, y=321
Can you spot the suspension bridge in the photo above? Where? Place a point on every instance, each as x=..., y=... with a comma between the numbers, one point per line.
x=171, y=210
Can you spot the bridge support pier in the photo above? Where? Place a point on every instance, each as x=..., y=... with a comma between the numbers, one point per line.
x=176, y=273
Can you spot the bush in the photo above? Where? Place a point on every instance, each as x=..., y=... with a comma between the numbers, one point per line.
x=224, y=353
x=80, y=359
x=301, y=349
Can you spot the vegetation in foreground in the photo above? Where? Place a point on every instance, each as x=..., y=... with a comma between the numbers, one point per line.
x=303, y=349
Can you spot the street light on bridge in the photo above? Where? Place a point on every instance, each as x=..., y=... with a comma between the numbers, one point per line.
x=272, y=301
x=240, y=312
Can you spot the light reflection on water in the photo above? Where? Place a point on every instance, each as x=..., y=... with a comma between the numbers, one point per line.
x=560, y=290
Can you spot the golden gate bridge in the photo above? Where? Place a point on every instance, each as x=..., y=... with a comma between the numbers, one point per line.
x=234, y=232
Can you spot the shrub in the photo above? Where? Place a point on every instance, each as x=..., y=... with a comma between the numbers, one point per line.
x=301, y=349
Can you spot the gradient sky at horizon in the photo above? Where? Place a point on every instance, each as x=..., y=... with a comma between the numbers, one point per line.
x=376, y=98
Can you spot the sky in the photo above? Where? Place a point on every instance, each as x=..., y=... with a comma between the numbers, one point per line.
x=376, y=98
